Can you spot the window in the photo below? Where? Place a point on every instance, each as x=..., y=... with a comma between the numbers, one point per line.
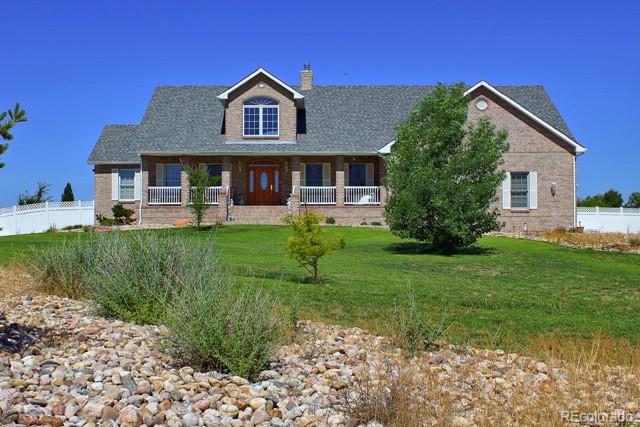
x=357, y=174
x=261, y=117
x=519, y=190
x=314, y=174
x=127, y=184
x=215, y=172
x=172, y=175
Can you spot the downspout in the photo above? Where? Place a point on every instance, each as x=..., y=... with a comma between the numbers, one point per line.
x=141, y=193
x=575, y=200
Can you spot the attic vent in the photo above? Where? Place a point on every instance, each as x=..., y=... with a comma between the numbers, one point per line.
x=482, y=104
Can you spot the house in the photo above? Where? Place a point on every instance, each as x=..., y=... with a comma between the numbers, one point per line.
x=274, y=147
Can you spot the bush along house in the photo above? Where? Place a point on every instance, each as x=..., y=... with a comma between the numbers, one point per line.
x=274, y=148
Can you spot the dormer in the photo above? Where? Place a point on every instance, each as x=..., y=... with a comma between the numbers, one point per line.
x=261, y=108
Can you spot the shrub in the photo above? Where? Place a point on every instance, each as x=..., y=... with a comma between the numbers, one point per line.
x=62, y=269
x=330, y=220
x=215, y=326
x=411, y=331
x=121, y=214
x=199, y=180
x=103, y=220
x=137, y=274
x=306, y=245
x=376, y=223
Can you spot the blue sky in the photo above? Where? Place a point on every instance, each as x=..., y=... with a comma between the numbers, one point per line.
x=78, y=65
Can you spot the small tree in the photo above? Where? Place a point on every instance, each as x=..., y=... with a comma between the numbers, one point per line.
x=306, y=246
x=612, y=199
x=199, y=180
x=444, y=173
x=8, y=120
x=67, y=194
x=40, y=196
x=634, y=200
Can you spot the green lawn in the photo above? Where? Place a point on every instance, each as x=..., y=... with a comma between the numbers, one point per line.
x=501, y=292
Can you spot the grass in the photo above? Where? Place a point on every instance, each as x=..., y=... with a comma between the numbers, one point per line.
x=503, y=292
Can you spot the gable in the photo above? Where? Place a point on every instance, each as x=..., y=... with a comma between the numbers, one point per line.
x=558, y=133
x=263, y=74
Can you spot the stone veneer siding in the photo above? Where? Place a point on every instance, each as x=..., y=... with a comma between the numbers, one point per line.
x=533, y=148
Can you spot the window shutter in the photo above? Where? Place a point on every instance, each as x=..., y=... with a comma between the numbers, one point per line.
x=369, y=174
x=303, y=174
x=506, y=192
x=346, y=174
x=326, y=174
x=202, y=166
x=115, y=184
x=160, y=174
x=533, y=190
x=137, y=181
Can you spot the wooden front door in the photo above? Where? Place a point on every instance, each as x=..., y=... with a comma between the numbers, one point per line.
x=264, y=185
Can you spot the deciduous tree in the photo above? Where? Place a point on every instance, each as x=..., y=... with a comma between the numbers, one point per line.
x=443, y=173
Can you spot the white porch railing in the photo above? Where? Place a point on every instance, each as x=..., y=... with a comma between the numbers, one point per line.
x=211, y=195
x=362, y=195
x=164, y=196
x=317, y=195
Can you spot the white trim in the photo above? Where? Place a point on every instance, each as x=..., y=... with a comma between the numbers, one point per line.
x=532, y=183
x=255, y=153
x=260, y=107
x=506, y=191
x=575, y=201
x=115, y=184
x=579, y=149
x=135, y=172
x=225, y=95
x=387, y=148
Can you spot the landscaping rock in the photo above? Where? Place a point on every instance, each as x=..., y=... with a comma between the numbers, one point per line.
x=105, y=372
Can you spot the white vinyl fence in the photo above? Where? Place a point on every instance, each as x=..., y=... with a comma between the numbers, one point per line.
x=612, y=220
x=41, y=217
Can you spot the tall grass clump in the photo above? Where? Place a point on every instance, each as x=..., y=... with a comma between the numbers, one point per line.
x=136, y=275
x=214, y=325
x=62, y=269
x=410, y=330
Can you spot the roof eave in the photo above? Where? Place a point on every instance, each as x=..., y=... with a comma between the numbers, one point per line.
x=297, y=96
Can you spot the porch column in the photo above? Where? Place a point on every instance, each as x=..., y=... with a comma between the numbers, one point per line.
x=381, y=186
x=295, y=183
x=225, y=189
x=340, y=181
x=185, y=188
x=144, y=187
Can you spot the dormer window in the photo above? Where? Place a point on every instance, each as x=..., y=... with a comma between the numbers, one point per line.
x=261, y=117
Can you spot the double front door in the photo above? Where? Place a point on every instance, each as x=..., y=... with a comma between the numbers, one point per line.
x=264, y=184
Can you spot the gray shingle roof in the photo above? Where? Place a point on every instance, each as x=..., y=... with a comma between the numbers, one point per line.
x=115, y=145
x=339, y=119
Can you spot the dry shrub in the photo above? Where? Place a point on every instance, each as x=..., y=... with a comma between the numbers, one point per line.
x=599, y=349
x=602, y=241
x=397, y=396
x=420, y=393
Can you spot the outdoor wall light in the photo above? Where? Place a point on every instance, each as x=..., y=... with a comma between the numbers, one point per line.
x=553, y=189
x=286, y=166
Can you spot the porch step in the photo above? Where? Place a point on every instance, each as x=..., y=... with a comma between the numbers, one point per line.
x=258, y=214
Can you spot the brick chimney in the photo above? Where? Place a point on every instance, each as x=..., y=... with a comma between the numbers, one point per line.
x=306, y=77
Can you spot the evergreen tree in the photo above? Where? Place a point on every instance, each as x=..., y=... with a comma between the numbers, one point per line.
x=67, y=194
x=8, y=119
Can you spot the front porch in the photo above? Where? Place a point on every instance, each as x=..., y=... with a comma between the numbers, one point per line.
x=330, y=184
